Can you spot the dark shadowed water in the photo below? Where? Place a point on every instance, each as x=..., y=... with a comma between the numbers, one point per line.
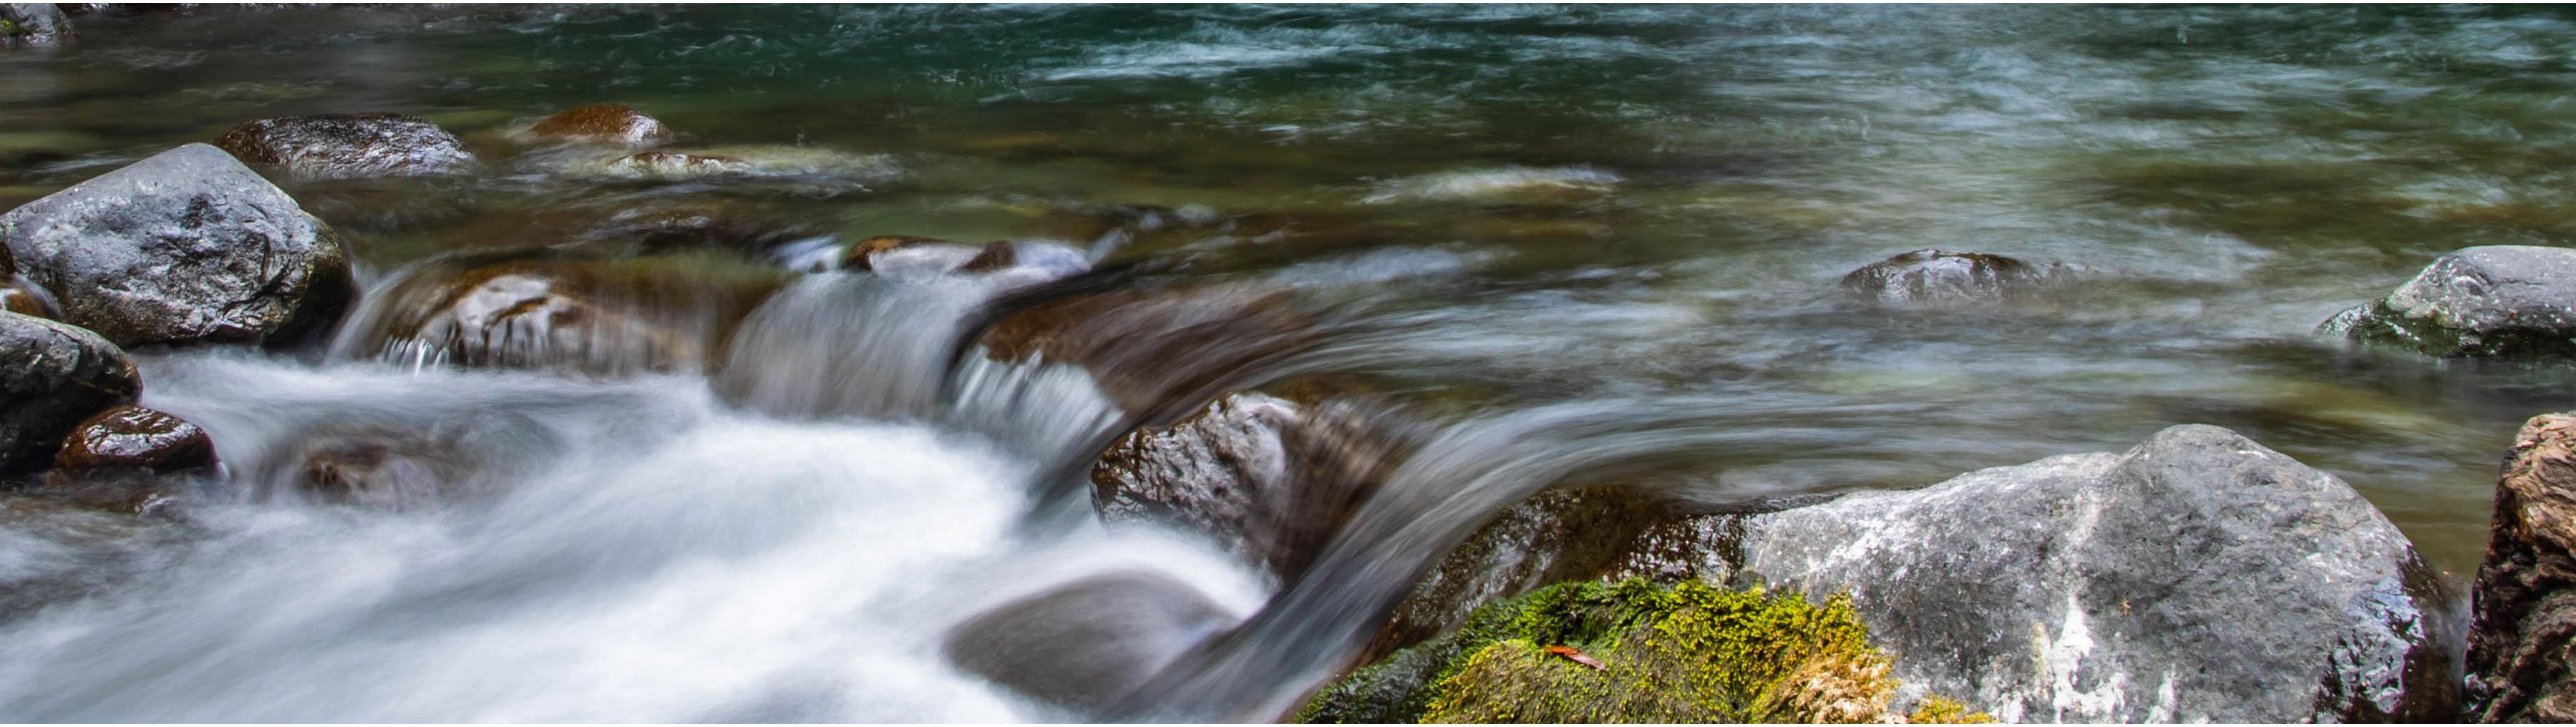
x=1518, y=218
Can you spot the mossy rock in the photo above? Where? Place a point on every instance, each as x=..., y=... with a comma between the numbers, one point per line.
x=1683, y=653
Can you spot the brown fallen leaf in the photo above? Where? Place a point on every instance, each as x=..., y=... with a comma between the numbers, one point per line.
x=1575, y=655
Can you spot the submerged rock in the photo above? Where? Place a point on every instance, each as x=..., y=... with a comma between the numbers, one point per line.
x=596, y=316
x=1158, y=352
x=2198, y=577
x=1936, y=276
x=186, y=246
x=1268, y=478
x=374, y=465
x=2524, y=627
x=1633, y=652
x=1088, y=642
x=33, y=25
x=133, y=437
x=602, y=123
x=1514, y=184
x=2495, y=300
x=349, y=146
x=795, y=165
x=52, y=376
x=1012, y=264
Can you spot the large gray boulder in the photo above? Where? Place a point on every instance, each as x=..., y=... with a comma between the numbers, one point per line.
x=2198, y=577
x=52, y=376
x=186, y=246
x=2494, y=300
x=349, y=146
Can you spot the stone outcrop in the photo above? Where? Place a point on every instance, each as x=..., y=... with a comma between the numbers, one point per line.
x=187, y=246
x=349, y=146
x=2522, y=641
x=2490, y=301
x=53, y=376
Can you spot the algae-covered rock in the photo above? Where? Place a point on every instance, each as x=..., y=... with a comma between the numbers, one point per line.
x=2489, y=301
x=1632, y=652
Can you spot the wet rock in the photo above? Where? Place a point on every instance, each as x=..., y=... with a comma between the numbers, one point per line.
x=52, y=376
x=375, y=465
x=602, y=123
x=2495, y=300
x=1935, y=276
x=133, y=437
x=24, y=297
x=595, y=316
x=2524, y=626
x=822, y=169
x=1269, y=478
x=1514, y=184
x=1009, y=264
x=33, y=25
x=1160, y=352
x=349, y=146
x=1087, y=642
x=186, y=246
x=2198, y=577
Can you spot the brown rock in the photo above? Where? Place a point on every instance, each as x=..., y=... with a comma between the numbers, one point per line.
x=53, y=375
x=24, y=297
x=130, y=436
x=602, y=123
x=2522, y=641
x=603, y=317
x=899, y=254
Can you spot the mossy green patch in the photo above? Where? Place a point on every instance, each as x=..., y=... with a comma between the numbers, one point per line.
x=1685, y=653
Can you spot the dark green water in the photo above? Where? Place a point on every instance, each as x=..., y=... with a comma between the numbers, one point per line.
x=1571, y=203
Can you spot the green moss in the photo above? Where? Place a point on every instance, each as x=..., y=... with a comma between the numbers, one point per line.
x=1686, y=653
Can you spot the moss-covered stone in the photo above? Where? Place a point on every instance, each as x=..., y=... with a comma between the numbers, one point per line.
x=1685, y=653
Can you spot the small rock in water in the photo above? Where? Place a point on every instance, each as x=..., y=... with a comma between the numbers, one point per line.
x=1011, y=264
x=33, y=25
x=1514, y=184
x=602, y=123
x=133, y=437
x=2525, y=621
x=187, y=246
x=1936, y=276
x=1088, y=642
x=24, y=297
x=595, y=316
x=1268, y=478
x=349, y=146
x=374, y=465
x=1158, y=352
x=819, y=168
x=2489, y=301
x=52, y=376
x=2122, y=587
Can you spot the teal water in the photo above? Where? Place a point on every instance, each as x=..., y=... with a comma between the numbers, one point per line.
x=1557, y=204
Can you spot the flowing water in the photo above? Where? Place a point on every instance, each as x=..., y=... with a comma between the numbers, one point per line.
x=1592, y=242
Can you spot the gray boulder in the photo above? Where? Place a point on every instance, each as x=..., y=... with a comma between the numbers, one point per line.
x=186, y=246
x=2198, y=577
x=2494, y=300
x=1268, y=477
x=52, y=376
x=32, y=25
x=349, y=146
x=1935, y=277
